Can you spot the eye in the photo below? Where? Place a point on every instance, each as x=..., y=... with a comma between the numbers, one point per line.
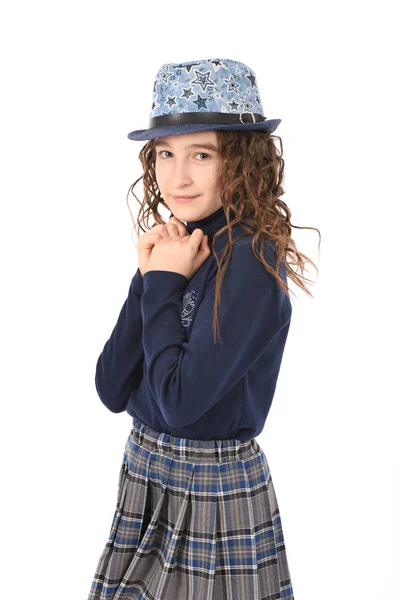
x=162, y=151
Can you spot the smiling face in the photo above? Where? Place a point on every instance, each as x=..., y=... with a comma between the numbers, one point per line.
x=189, y=165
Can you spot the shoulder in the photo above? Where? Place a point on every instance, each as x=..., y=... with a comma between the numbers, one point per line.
x=245, y=258
x=245, y=249
x=244, y=267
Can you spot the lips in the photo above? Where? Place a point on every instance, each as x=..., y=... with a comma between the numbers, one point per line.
x=183, y=198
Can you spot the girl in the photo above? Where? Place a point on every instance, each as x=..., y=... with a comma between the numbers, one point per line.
x=195, y=354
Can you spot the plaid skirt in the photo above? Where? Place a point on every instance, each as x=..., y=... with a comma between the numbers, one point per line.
x=194, y=520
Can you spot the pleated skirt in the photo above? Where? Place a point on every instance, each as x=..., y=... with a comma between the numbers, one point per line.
x=194, y=520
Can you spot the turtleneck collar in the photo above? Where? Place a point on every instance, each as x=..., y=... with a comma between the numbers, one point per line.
x=209, y=225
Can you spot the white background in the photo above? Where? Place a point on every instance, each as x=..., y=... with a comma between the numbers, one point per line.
x=76, y=78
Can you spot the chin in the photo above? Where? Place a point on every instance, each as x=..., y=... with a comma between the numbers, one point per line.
x=189, y=207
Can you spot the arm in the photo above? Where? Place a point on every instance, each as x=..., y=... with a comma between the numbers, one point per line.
x=119, y=368
x=188, y=378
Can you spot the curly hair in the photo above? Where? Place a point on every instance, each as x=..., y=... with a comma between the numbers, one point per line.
x=251, y=176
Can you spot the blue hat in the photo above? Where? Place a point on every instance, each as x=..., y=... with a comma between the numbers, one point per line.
x=215, y=93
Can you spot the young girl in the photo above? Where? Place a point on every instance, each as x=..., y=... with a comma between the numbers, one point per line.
x=195, y=354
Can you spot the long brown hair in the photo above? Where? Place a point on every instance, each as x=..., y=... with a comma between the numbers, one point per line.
x=251, y=176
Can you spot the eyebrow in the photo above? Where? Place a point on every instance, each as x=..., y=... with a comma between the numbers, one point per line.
x=207, y=145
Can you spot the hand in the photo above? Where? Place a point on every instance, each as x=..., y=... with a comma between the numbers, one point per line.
x=148, y=240
x=183, y=255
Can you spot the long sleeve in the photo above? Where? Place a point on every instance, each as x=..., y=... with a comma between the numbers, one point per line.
x=187, y=378
x=119, y=368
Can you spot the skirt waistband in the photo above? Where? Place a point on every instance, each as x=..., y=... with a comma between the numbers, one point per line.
x=185, y=449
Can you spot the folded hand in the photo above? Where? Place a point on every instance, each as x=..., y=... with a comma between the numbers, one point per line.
x=181, y=254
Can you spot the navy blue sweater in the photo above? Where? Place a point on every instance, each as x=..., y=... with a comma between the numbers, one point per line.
x=161, y=364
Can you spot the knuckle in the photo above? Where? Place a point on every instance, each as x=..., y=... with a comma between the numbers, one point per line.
x=177, y=224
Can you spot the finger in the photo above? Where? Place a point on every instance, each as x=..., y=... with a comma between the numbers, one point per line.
x=150, y=239
x=181, y=227
x=160, y=228
x=175, y=220
x=161, y=233
x=205, y=247
x=173, y=230
x=202, y=254
x=197, y=237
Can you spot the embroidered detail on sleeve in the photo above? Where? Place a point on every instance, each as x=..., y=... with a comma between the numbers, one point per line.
x=188, y=304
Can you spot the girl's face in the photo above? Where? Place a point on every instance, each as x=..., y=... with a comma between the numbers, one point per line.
x=187, y=165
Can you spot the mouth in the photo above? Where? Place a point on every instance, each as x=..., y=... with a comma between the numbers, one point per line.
x=182, y=199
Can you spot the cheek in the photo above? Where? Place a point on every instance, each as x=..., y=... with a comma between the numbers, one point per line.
x=158, y=175
x=214, y=179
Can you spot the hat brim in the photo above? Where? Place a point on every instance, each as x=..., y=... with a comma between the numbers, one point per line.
x=150, y=134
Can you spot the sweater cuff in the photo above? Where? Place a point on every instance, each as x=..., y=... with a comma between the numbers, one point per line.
x=137, y=281
x=167, y=281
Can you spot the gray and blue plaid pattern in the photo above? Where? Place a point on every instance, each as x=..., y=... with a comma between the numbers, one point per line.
x=195, y=520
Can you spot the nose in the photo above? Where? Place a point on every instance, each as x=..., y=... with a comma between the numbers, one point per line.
x=181, y=172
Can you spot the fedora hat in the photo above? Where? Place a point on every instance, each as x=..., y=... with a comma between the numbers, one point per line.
x=214, y=93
